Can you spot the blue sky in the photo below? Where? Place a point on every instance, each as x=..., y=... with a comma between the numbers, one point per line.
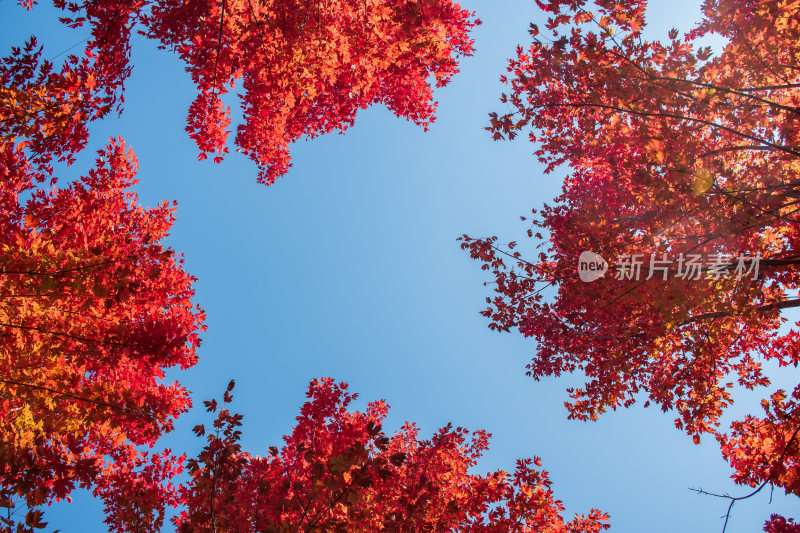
x=349, y=267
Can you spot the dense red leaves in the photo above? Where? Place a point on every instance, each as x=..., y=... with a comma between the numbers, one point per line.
x=672, y=151
x=338, y=471
x=767, y=448
x=93, y=310
x=778, y=524
x=306, y=68
x=46, y=110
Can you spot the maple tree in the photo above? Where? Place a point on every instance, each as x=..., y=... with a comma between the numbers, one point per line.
x=93, y=310
x=672, y=151
x=338, y=471
x=46, y=110
x=306, y=68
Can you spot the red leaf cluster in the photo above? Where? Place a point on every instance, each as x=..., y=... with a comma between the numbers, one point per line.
x=339, y=471
x=672, y=152
x=306, y=68
x=93, y=310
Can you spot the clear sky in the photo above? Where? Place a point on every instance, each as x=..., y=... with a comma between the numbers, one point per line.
x=349, y=267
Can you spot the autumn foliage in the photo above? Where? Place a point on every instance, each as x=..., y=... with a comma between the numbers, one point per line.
x=47, y=110
x=673, y=151
x=306, y=68
x=93, y=310
x=338, y=471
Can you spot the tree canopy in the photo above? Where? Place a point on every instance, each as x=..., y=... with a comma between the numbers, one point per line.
x=339, y=471
x=663, y=268
x=683, y=184
x=306, y=68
